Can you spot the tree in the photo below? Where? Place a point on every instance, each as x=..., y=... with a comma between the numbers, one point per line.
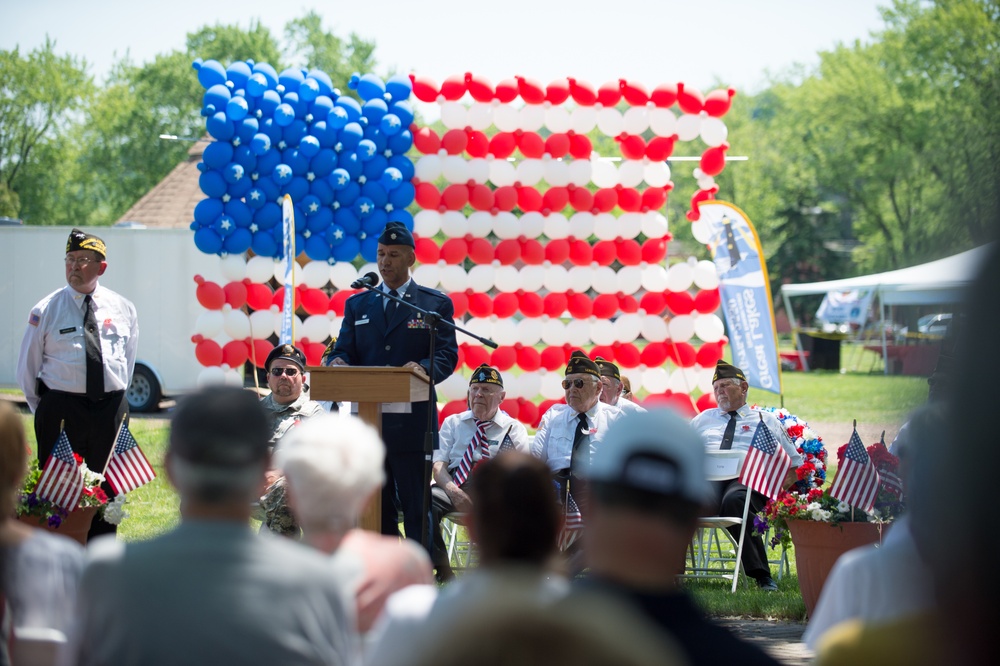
x=312, y=47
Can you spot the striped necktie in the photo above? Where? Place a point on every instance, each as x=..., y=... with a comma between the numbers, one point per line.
x=480, y=442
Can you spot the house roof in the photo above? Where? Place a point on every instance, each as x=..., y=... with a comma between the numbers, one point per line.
x=171, y=202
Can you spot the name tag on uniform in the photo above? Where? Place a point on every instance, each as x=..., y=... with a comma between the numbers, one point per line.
x=361, y=322
x=722, y=466
x=63, y=331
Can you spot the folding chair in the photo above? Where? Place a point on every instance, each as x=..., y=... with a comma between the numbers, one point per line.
x=708, y=554
x=461, y=551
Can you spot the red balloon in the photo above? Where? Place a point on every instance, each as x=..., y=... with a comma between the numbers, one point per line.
x=502, y=145
x=681, y=402
x=235, y=353
x=479, y=88
x=459, y=359
x=531, y=91
x=686, y=356
x=557, y=92
x=279, y=298
x=607, y=352
x=680, y=302
x=701, y=195
x=629, y=252
x=717, y=102
x=627, y=355
x=629, y=199
x=653, y=302
x=455, y=197
x=605, y=252
x=653, y=198
x=557, y=251
x=507, y=251
x=653, y=355
x=654, y=250
x=664, y=95
x=632, y=147
x=530, y=304
x=580, y=146
x=555, y=304
x=605, y=306
x=553, y=358
x=426, y=140
x=713, y=160
x=461, y=302
x=505, y=305
x=505, y=198
x=478, y=144
x=532, y=252
x=609, y=94
x=706, y=401
x=503, y=358
x=480, y=251
x=451, y=408
x=475, y=355
x=424, y=88
x=209, y=294
x=708, y=354
x=605, y=199
x=531, y=145
x=660, y=148
x=528, y=358
x=506, y=91
x=555, y=199
x=580, y=253
x=455, y=141
x=453, y=88
x=580, y=198
x=627, y=303
x=208, y=353
x=480, y=305
x=338, y=300
x=258, y=296
x=689, y=99
x=529, y=200
x=527, y=412
x=582, y=92
x=454, y=250
x=427, y=196
x=511, y=407
x=481, y=197
x=557, y=145
x=707, y=301
x=259, y=349
x=580, y=306
x=634, y=93
x=314, y=352
x=315, y=301
x=427, y=250
x=236, y=294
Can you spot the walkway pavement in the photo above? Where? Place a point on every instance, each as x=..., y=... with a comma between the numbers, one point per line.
x=779, y=638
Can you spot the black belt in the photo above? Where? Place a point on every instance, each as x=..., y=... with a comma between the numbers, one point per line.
x=42, y=389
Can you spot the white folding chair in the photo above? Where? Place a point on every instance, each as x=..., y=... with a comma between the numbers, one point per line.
x=710, y=556
x=460, y=550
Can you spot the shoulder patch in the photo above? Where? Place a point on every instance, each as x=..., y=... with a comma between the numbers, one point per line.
x=34, y=318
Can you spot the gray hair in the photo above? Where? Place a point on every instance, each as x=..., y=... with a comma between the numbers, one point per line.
x=216, y=484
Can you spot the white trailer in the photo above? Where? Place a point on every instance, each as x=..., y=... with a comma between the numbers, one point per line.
x=154, y=268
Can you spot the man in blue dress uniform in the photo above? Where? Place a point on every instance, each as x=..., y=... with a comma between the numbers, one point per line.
x=377, y=331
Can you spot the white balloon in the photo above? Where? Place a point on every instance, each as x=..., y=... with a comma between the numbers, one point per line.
x=233, y=378
x=605, y=226
x=605, y=280
x=629, y=225
x=315, y=329
x=454, y=115
x=556, y=279
x=532, y=278
x=336, y=323
x=502, y=172
x=532, y=117
x=636, y=120
x=529, y=172
x=506, y=278
x=629, y=279
x=211, y=376
x=681, y=328
x=654, y=224
x=663, y=122
x=581, y=225
x=209, y=323
x=683, y=380
x=505, y=225
x=480, y=224
x=480, y=116
x=706, y=183
x=654, y=278
x=654, y=329
x=505, y=331
x=556, y=226
x=713, y=131
x=656, y=174
x=263, y=324
x=580, y=172
x=557, y=119
x=260, y=269
x=702, y=231
x=426, y=223
x=453, y=224
x=316, y=274
x=455, y=169
x=655, y=380
x=602, y=332
x=688, y=127
x=342, y=274
x=552, y=386
x=705, y=379
x=234, y=267
x=709, y=328
x=604, y=173
x=236, y=325
x=529, y=331
x=628, y=327
x=610, y=122
x=679, y=276
x=506, y=118
x=454, y=278
x=554, y=333
x=581, y=278
x=532, y=224
x=453, y=388
x=578, y=332
x=428, y=168
x=528, y=385
x=370, y=267
x=427, y=275
x=705, y=275
x=583, y=119
x=631, y=172
x=479, y=169
x=481, y=277
x=480, y=327
x=279, y=272
x=556, y=173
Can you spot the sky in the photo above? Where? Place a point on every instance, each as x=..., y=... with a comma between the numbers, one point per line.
x=735, y=43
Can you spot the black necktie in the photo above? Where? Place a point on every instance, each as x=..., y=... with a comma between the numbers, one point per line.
x=95, y=360
x=390, y=306
x=727, y=437
x=581, y=450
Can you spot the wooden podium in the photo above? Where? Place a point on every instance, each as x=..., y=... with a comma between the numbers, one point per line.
x=369, y=387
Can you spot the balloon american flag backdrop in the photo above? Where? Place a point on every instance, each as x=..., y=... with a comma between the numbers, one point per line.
x=543, y=243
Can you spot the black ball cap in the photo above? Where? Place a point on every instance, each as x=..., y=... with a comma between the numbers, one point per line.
x=287, y=352
x=220, y=426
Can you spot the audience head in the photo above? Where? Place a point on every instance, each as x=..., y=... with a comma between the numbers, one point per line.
x=218, y=449
x=485, y=392
x=285, y=367
x=627, y=388
x=332, y=465
x=515, y=517
x=13, y=457
x=730, y=386
x=582, y=383
x=611, y=381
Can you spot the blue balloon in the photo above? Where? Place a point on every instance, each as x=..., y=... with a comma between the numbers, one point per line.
x=375, y=135
x=309, y=90
x=256, y=85
x=402, y=196
x=348, y=195
x=256, y=198
x=240, y=213
x=375, y=167
x=208, y=241
x=338, y=117
x=272, y=129
x=351, y=106
x=323, y=164
x=347, y=220
x=348, y=249
x=220, y=127
x=246, y=129
x=399, y=87
x=239, y=189
x=368, y=86
x=403, y=111
x=405, y=166
x=224, y=226
x=321, y=78
x=261, y=143
x=237, y=108
x=233, y=173
x=218, y=154
x=324, y=133
x=246, y=158
x=217, y=96
x=390, y=124
x=369, y=248
x=319, y=220
x=269, y=102
x=267, y=216
x=282, y=174
x=212, y=184
x=297, y=188
x=207, y=210
x=263, y=244
x=391, y=179
x=366, y=149
x=294, y=133
x=294, y=158
x=350, y=163
x=374, y=191
x=238, y=242
x=401, y=143
x=321, y=189
x=309, y=146
x=300, y=106
x=334, y=235
x=363, y=207
x=271, y=190
x=374, y=110
x=339, y=179
x=291, y=79
x=268, y=162
x=320, y=108
x=375, y=223
x=310, y=204
x=268, y=72
x=350, y=136
x=284, y=114
x=402, y=215
x=317, y=248
x=210, y=73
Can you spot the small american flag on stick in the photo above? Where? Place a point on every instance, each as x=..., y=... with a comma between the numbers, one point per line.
x=61, y=481
x=572, y=523
x=128, y=468
x=767, y=463
x=857, y=479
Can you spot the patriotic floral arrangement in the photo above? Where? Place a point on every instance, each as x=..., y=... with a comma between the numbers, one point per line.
x=29, y=504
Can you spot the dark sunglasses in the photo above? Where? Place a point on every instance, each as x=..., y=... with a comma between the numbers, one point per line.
x=578, y=383
x=277, y=372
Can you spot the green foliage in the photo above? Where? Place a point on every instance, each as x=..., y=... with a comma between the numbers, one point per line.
x=310, y=46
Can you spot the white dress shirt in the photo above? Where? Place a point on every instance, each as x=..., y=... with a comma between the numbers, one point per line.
x=711, y=425
x=458, y=429
x=554, y=438
x=628, y=407
x=53, y=347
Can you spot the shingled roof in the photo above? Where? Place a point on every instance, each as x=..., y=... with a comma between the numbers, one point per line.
x=171, y=202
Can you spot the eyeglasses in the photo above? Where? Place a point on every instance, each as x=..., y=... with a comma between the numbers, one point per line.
x=578, y=383
x=290, y=372
x=79, y=262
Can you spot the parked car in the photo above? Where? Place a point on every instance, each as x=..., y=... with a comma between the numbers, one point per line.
x=934, y=324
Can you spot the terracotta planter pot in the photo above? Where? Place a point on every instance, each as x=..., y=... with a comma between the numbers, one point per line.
x=75, y=526
x=817, y=547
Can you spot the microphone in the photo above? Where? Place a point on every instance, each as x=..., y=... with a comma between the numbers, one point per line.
x=369, y=280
